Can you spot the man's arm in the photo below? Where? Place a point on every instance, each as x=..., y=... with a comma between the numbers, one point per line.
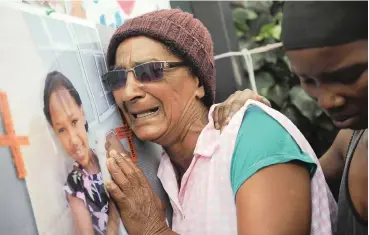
x=333, y=161
x=275, y=201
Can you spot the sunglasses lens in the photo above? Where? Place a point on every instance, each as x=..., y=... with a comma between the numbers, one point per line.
x=115, y=79
x=150, y=72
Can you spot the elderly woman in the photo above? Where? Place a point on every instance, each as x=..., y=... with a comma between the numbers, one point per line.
x=258, y=176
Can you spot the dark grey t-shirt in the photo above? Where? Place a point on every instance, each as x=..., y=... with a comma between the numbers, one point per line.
x=349, y=222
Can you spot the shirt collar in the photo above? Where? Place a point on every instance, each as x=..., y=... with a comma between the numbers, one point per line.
x=208, y=141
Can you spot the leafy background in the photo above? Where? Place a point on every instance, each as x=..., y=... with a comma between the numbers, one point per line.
x=259, y=23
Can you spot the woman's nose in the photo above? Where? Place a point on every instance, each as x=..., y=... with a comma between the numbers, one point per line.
x=131, y=91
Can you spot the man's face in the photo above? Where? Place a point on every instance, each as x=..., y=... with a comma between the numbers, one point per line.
x=337, y=78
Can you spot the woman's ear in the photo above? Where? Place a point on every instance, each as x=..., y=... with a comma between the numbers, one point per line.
x=200, y=91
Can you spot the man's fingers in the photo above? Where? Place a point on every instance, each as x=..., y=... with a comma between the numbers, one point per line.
x=224, y=112
x=227, y=108
x=244, y=96
x=234, y=107
x=118, y=176
x=223, y=115
x=220, y=115
x=248, y=94
x=265, y=101
x=216, y=117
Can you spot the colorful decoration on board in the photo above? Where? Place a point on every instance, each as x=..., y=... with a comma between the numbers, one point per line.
x=110, y=13
x=127, y=6
x=126, y=132
x=9, y=139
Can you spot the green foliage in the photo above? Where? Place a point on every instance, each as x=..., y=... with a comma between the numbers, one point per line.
x=259, y=23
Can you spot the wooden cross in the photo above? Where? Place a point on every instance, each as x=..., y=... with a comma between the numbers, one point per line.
x=125, y=131
x=10, y=139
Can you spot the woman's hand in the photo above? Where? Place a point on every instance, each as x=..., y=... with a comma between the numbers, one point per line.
x=224, y=112
x=112, y=142
x=140, y=209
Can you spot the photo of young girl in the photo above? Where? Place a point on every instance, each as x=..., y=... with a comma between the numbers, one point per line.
x=92, y=210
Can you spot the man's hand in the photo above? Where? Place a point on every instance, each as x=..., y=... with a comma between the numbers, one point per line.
x=140, y=208
x=224, y=112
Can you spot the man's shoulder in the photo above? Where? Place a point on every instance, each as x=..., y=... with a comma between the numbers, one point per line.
x=341, y=143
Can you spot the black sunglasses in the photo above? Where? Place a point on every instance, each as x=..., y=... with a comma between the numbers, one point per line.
x=144, y=73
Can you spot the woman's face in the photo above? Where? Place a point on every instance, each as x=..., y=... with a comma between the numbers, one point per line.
x=68, y=121
x=156, y=111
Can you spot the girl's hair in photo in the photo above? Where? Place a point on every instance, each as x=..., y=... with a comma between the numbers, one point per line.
x=55, y=80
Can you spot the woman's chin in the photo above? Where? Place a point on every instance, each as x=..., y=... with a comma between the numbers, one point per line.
x=148, y=134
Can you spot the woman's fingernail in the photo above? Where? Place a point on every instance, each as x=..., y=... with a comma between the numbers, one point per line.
x=124, y=155
x=216, y=126
x=107, y=185
x=113, y=152
x=109, y=161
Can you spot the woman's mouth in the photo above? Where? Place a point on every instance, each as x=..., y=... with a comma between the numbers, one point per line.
x=145, y=114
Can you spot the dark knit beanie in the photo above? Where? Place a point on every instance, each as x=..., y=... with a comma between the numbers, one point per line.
x=314, y=24
x=180, y=32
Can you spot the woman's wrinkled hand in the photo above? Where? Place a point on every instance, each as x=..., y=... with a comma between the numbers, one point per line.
x=140, y=208
x=112, y=142
x=224, y=112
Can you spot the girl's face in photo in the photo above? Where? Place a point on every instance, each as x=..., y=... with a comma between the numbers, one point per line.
x=68, y=121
